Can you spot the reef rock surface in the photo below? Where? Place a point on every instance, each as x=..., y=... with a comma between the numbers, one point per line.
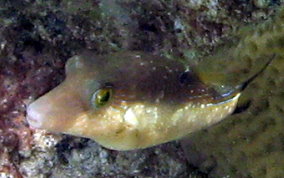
x=37, y=37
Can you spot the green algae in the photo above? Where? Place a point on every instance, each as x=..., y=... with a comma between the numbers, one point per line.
x=249, y=144
x=251, y=48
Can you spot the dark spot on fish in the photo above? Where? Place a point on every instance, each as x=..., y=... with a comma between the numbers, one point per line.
x=188, y=78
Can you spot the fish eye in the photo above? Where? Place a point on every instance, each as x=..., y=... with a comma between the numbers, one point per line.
x=101, y=97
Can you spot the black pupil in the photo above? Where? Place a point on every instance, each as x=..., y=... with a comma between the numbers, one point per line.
x=105, y=97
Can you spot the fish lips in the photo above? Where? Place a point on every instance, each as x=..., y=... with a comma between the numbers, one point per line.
x=55, y=110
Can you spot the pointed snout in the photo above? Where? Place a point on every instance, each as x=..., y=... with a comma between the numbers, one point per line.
x=36, y=114
x=56, y=110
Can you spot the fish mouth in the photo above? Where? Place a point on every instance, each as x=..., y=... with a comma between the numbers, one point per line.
x=56, y=110
x=34, y=116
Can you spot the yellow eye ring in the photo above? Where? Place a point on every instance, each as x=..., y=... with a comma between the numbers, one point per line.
x=101, y=97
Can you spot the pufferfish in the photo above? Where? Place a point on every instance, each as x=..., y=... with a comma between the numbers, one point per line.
x=130, y=100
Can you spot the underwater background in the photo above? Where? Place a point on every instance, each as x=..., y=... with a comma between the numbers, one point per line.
x=235, y=37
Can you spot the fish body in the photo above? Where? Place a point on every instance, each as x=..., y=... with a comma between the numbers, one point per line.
x=129, y=100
